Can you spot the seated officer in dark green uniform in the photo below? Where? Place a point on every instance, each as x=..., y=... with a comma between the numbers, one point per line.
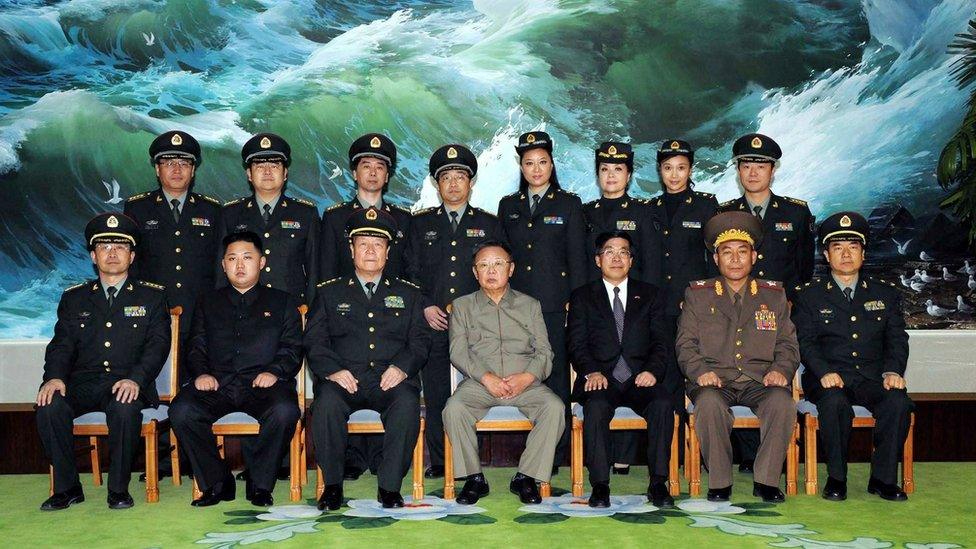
x=366, y=341
x=110, y=342
x=854, y=349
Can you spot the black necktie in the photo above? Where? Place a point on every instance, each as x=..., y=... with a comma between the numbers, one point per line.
x=535, y=203
x=111, y=291
x=849, y=294
x=454, y=221
x=737, y=304
x=176, y=210
x=621, y=372
x=758, y=211
x=267, y=213
x=369, y=289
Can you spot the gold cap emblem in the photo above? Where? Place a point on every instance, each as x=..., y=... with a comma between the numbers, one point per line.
x=452, y=152
x=374, y=142
x=371, y=215
x=265, y=142
x=675, y=145
x=530, y=138
x=612, y=150
x=177, y=139
x=845, y=221
x=112, y=221
x=756, y=143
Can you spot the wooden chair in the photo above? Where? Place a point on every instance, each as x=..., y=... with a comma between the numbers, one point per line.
x=862, y=419
x=242, y=424
x=744, y=418
x=367, y=422
x=94, y=425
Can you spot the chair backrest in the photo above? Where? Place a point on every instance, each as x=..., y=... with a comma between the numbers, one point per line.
x=166, y=381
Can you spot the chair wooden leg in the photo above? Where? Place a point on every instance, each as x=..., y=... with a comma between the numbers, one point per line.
x=174, y=459
x=576, y=457
x=686, y=466
x=50, y=480
x=418, y=464
x=304, y=459
x=96, y=466
x=694, y=474
x=197, y=494
x=220, y=447
x=810, y=426
x=793, y=460
x=674, y=487
x=319, y=482
x=908, y=459
x=294, y=455
x=448, y=468
x=152, y=463
x=545, y=489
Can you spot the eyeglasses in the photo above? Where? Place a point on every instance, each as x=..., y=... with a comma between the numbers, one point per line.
x=109, y=246
x=613, y=252
x=176, y=162
x=483, y=266
x=461, y=177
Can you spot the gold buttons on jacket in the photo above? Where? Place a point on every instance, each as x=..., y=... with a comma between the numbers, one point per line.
x=108, y=324
x=108, y=343
x=372, y=345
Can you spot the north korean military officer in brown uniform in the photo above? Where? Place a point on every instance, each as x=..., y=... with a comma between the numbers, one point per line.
x=110, y=342
x=855, y=350
x=737, y=346
x=440, y=244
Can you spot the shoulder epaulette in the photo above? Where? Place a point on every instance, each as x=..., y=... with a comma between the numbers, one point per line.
x=335, y=206
x=485, y=212
x=75, y=287
x=424, y=211
x=211, y=199
x=881, y=281
x=401, y=208
x=770, y=284
x=327, y=282
x=704, y=194
x=796, y=201
x=807, y=284
x=152, y=285
x=727, y=203
x=139, y=196
x=408, y=283
x=304, y=201
x=235, y=201
x=570, y=193
x=700, y=284
x=512, y=195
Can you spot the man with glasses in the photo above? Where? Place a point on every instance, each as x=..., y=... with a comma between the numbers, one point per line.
x=617, y=344
x=110, y=342
x=498, y=340
x=440, y=243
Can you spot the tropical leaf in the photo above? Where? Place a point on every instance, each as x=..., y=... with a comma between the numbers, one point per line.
x=639, y=518
x=468, y=520
x=361, y=523
x=539, y=518
x=242, y=520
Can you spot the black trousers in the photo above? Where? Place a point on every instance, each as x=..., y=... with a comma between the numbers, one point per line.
x=652, y=403
x=436, y=376
x=193, y=413
x=399, y=410
x=90, y=394
x=892, y=412
x=558, y=380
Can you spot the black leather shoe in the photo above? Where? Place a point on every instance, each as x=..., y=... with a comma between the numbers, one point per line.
x=658, y=495
x=625, y=470
x=835, y=490
x=890, y=492
x=331, y=498
x=62, y=500
x=746, y=465
x=352, y=473
x=720, y=494
x=225, y=490
x=516, y=483
x=475, y=488
x=769, y=494
x=434, y=471
x=119, y=500
x=389, y=499
x=244, y=475
x=261, y=498
x=527, y=491
x=600, y=496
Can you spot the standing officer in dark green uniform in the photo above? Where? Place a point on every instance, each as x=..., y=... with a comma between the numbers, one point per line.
x=110, y=342
x=440, y=242
x=289, y=227
x=787, y=251
x=854, y=349
x=372, y=159
x=546, y=229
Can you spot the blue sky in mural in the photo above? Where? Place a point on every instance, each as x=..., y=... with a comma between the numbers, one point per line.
x=857, y=93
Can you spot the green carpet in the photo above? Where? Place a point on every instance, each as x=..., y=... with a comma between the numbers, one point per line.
x=939, y=514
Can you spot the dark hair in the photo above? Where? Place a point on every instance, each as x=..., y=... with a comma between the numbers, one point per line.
x=243, y=236
x=491, y=244
x=603, y=237
x=553, y=179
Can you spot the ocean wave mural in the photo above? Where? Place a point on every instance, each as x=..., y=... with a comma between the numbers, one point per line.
x=858, y=93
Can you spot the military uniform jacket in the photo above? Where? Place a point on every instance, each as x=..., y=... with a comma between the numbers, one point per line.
x=684, y=255
x=180, y=255
x=712, y=338
x=336, y=258
x=291, y=242
x=439, y=258
x=864, y=338
x=229, y=341
x=634, y=217
x=130, y=340
x=787, y=250
x=347, y=331
x=549, y=247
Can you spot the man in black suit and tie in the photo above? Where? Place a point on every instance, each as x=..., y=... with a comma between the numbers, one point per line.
x=617, y=344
